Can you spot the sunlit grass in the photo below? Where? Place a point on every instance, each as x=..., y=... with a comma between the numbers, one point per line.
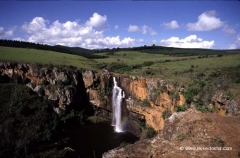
x=44, y=57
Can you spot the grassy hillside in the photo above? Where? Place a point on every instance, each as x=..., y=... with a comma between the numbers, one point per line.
x=44, y=57
x=181, y=68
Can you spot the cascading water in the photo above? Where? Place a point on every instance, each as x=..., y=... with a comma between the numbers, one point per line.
x=117, y=96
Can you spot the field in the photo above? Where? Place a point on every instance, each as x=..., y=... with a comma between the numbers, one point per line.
x=44, y=57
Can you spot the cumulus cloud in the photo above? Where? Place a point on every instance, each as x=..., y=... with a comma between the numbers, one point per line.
x=191, y=41
x=89, y=34
x=228, y=30
x=4, y=33
x=133, y=28
x=37, y=24
x=207, y=21
x=116, y=27
x=144, y=29
x=236, y=45
x=171, y=25
x=108, y=42
x=97, y=21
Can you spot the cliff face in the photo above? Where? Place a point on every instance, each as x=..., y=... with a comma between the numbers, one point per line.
x=62, y=85
x=146, y=97
x=68, y=86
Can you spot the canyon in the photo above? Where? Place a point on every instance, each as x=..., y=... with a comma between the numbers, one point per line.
x=145, y=98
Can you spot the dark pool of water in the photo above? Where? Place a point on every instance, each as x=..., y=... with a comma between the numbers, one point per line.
x=92, y=140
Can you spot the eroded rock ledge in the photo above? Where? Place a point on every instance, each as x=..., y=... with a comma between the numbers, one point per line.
x=188, y=129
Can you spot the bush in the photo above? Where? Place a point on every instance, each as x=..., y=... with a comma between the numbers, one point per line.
x=180, y=108
x=166, y=113
x=150, y=132
x=209, y=119
x=182, y=136
x=163, y=88
x=201, y=74
x=215, y=74
x=120, y=67
x=205, y=109
x=230, y=95
x=190, y=93
x=145, y=102
x=148, y=63
x=45, y=82
x=149, y=72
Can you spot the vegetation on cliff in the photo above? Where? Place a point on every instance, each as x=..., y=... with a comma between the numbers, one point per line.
x=28, y=125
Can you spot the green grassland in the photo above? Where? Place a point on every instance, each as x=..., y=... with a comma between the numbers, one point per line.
x=130, y=62
x=44, y=57
x=135, y=57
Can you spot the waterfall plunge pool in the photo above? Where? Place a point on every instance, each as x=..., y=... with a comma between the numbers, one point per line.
x=91, y=140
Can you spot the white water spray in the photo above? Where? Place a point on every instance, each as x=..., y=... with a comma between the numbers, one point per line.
x=117, y=96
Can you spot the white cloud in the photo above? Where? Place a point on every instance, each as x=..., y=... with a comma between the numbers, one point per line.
x=116, y=27
x=172, y=25
x=72, y=33
x=191, y=41
x=144, y=29
x=37, y=24
x=18, y=39
x=97, y=21
x=228, y=30
x=207, y=21
x=133, y=28
x=4, y=33
x=236, y=45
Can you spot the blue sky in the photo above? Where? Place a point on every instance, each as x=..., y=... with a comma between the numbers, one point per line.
x=92, y=24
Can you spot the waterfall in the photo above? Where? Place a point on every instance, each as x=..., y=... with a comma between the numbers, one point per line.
x=117, y=96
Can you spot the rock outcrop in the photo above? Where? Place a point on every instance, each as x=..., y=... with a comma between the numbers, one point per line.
x=65, y=86
x=225, y=104
x=188, y=134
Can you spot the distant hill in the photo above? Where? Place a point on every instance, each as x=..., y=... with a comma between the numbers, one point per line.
x=91, y=54
x=87, y=53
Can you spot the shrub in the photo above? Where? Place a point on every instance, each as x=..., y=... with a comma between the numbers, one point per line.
x=201, y=74
x=121, y=67
x=204, y=108
x=180, y=108
x=148, y=63
x=230, y=95
x=163, y=88
x=123, y=144
x=146, y=103
x=209, y=119
x=166, y=113
x=150, y=132
x=149, y=72
x=218, y=139
x=25, y=80
x=190, y=93
x=45, y=82
x=237, y=81
x=182, y=136
x=215, y=74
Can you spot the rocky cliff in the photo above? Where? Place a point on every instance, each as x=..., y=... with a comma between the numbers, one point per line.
x=188, y=134
x=64, y=86
x=69, y=87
